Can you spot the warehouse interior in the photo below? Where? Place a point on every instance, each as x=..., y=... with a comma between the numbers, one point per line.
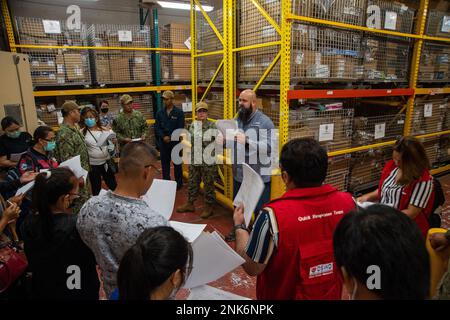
x=371, y=70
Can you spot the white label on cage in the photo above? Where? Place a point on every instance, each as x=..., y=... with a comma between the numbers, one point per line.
x=51, y=63
x=125, y=36
x=187, y=106
x=187, y=43
x=442, y=106
x=78, y=71
x=445, y=24
x=404, y=8
x=390, y=22
x=400, y=121
x=350, y=10
x=35, y=63
x=299, y=58
x=380, y=130
x=326, y=132
x=428, y=110
x=51, y=107
x=268, y=31
x=51, y=26
x=60, y=117
x=60, y=68
x=139, y=60
x=61, y=80
x=52, y=76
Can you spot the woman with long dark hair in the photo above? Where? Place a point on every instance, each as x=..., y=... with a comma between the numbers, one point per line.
x=62, y=266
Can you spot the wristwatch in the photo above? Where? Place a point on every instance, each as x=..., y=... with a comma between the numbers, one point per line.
x=241, y=226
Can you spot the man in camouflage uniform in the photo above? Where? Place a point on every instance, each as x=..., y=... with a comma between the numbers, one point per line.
x=129, y=124
x=441, y=243
x=200, y=170
x=70, y=143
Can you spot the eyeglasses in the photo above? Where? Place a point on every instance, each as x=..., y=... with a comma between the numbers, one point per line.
x=151, y=165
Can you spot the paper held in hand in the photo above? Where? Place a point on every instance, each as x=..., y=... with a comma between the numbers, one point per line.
x=104, y=137
x=212, y=259
x=249, y=193
x=161, y=197
x=74, y=164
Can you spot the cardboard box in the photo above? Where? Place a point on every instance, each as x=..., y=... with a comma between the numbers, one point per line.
x=74, y=67
x=342, y=67
x=32, y=27
x=176, y=34
x=120, y=69
x=181, y=67
x=141, y=68
x=301, y=60
x=318, y=71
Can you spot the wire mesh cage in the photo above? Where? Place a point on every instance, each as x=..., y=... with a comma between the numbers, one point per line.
x=345, y=11
x=370, y=130
x=207, y=40
x=120, y=66
x=389, y=15
x=270, y=106
x=438, y=24
x=338, y=172
x=366, y=168
x=432, y=147
x=215, y=101
x=52, y=67
x=320, y=53
x=444, y=149
x=253, y=63
x=434, y=63
x=428, y=115
x=332, y=128
x=175, y=66
x=207, y=67
x=386, y=60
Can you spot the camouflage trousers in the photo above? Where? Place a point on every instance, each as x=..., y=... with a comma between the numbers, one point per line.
x=207, y=174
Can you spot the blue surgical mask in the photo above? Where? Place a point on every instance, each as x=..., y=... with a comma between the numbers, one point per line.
x=51, y=145
x=90, y=122
x=14, y=134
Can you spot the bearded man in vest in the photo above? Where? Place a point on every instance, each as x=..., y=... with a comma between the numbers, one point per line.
x=290, y=247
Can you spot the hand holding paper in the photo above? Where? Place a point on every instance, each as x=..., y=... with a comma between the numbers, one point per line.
x=159, y=190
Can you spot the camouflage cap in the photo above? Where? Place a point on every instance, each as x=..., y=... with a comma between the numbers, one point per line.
x=125, y=99
x=168, y=95
x=69, y=106
x=201, y=105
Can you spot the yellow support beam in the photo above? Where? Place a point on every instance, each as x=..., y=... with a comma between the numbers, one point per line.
x=8, y=25
x=434, y=134
x=362, y=148
x=266, y=15
x=32, y=46
x=193, y=57
x=432, y=91
x=258, y=46
x=440, y=170
x=352, y=27
x=80, y=92
x=206, y=54
x=268, y=70
x=436, y=39
x=212, y=81
x=211, y=24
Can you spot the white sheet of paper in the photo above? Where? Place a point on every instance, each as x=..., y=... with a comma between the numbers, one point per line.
x=186, y=106
x=161, y=197
x=15, y=156
x=105, y=136
x=224, y=125
x=428, y=110
x=326, y=132
x=190, y=231
x=187, y=43
x=380, y=130
x=250, y=191
x=210, y=293
x=390, y=21
x=51, y=26
x=74, y=164
x=125, y=36
x=211, y=260
x=365, y=205
x=25, y=188
x=445, y=24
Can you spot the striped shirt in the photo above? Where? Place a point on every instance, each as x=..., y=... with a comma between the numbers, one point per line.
x=392, y=192
x=263, y=238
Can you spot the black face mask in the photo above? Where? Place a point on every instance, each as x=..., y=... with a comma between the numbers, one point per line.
x=104, y=110
x=244, y=114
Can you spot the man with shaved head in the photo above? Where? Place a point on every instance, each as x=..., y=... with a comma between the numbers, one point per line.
x=253, y=140
x=110, y=224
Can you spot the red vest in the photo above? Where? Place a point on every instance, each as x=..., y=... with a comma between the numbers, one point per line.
x=422, y=218
x=302, y=267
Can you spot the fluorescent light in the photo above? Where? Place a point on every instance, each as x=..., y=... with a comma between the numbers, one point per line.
x=182, y=6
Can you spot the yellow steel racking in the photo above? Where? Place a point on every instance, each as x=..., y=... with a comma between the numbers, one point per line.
x=284, y=29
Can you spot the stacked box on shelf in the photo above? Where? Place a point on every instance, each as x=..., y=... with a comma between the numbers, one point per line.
x=207, y=67
x=175, y=66
x=434, y=63
x=253, y=28
x=438, y=24
x=120, y=66
x=366, y=168
x=428, y=115
x=215, y=105
x=320, y=53
x=444, y=149
x=431, y=146
x=54, y=66
x=389, y=15
x=338, y=172
x=333, y=128
x=345, y=11
x=374, y=129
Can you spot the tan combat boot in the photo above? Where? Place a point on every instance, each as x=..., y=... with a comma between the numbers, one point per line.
x=207, y=211
x=187, y=207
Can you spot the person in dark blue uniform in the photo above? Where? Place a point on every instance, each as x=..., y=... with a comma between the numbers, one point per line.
x=169, y=119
